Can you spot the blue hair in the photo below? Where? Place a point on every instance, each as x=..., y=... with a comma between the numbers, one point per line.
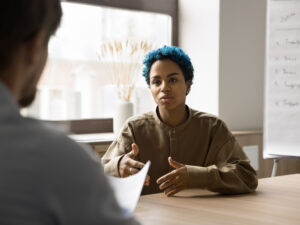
x=173, y=53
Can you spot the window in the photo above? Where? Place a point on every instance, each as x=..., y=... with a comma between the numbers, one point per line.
x=75, y=84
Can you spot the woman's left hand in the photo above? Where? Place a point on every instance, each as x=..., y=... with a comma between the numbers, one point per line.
x=175, y=181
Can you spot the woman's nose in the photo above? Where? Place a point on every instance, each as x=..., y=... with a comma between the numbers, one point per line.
x=165, y=86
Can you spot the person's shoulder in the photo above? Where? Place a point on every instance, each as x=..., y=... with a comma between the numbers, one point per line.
x=47, y=132
x=53, y=141
x=204, y=116
x=145, y=118
x=60, y=156
x=210, y=120
x=212, y=123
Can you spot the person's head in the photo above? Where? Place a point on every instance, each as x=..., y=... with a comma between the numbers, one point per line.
x=173, y=53
x=25, y=29
x=169, y=74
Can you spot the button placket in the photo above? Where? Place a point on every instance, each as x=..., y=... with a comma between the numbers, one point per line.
x=173, y=144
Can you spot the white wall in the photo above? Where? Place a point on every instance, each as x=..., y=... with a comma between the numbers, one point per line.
x=226, y=42
x=242, y=48
x=199, y=37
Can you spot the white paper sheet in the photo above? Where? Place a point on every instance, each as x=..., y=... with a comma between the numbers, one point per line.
x=128, y=190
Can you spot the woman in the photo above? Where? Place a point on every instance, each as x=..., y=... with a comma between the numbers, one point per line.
x=186, y=148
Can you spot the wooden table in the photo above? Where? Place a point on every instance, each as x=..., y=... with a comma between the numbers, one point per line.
x=276, y=201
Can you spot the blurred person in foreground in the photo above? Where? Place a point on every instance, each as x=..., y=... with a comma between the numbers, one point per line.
x=187, y=148
x=45, y=178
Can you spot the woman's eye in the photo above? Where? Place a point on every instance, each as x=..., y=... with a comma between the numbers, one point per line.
x=172, y=80
x=156, y=82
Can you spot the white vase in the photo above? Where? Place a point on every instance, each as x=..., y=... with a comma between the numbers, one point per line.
x=123, y=112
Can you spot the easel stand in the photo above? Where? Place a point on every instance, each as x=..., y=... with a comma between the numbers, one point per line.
x=276, y=162
x=275, y=166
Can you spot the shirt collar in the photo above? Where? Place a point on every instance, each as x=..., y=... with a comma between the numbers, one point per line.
x=177, y=128
x=7, y=101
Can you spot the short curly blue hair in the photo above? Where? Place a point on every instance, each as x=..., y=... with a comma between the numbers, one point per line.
x=173, y=53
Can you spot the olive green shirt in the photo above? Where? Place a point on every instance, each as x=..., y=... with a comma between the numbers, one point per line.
x=203, y=143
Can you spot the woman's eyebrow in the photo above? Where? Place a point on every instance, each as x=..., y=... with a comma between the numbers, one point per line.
x=169, y=75
x=155, y=77
x=172, y=74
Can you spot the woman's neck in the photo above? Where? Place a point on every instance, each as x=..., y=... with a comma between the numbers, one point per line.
x=173, y=118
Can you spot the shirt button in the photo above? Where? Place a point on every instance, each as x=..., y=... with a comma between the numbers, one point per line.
x=173, y=131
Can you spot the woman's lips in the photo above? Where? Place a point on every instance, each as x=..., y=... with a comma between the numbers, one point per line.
x=166, y=99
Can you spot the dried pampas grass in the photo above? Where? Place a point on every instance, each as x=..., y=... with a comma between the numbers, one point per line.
x=123, y=62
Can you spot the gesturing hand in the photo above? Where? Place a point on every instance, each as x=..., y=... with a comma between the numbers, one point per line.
x=175, y=181
x=128, y=166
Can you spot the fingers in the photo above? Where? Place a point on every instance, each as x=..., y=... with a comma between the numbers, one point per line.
x=174, y=181
x=131, y=170
x=135, y=164
x=169, y=183
x=172, y=174
x=128, y=166
x=134, y=151
x=147, y=181
x=166, y=177
x=131, y=167
x=174, y=164
x=173, y=190
x=173, y=186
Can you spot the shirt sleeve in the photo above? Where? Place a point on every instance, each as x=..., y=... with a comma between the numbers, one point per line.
x=117, y=150
x=227, y=170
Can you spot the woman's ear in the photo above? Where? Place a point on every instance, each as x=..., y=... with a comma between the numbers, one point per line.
x=188, y=87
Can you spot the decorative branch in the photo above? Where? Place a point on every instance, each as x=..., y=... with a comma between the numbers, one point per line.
x=123, y=61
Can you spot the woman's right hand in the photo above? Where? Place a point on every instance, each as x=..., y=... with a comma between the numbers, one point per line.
x=128, y=166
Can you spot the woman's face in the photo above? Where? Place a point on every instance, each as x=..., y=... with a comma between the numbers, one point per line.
x=167, y=85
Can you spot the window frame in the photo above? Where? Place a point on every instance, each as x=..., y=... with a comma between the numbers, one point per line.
x=169, y=7
x=85, y=126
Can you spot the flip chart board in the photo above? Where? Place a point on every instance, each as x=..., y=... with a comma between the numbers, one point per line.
x=282, y=79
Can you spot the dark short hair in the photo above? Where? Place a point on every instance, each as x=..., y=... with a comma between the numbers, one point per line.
x=173, y=53
x=20, y=20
